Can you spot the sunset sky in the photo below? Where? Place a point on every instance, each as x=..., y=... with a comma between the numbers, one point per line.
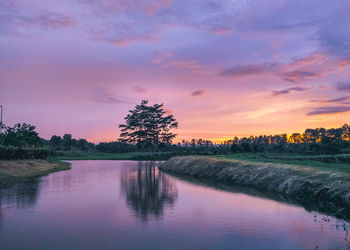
x=223, y=68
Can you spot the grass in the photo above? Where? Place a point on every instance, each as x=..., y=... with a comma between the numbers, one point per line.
x=109, y=156
x=340, y=163
x=312, y=184
x=336, y=163
x=11, y=171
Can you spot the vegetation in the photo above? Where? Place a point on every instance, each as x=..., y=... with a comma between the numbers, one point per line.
x=312, y=142
x=328, y=189
x=21, y=142
x=146, y=134
x=136, y=156
x=15, y=153
x=148, y=127
x=11, y=171
x=338, y=163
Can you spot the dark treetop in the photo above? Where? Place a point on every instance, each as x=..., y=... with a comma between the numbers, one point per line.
x=148, y=125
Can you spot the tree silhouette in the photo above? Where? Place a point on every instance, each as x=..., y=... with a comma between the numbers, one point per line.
x=21, y=135
x=148, y=126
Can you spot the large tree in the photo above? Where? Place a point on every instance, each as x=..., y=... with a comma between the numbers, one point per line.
x=148, y=125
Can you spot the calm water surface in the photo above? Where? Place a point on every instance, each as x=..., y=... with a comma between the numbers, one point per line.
x=131, y=205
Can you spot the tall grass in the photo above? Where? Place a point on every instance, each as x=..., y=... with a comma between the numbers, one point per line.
x=327, y=189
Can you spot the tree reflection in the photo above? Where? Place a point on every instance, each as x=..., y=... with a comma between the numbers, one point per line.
x=148, y=191
x=23, y=194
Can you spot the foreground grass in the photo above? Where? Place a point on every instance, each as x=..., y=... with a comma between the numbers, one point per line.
x=11, y=171
x=337, y=163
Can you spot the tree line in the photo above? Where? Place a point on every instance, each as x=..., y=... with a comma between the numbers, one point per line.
x=147, y=128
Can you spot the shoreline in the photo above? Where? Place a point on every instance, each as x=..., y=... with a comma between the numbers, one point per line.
x=18, y=170
x=322, y=190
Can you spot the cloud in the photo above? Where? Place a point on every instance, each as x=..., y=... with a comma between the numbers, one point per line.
x=298, y=76
x=344, y=86
x=198, y=93
x=51, y=21
x=288, y=91
x=329, y=110
x=17, y=18
x=139, y=89
x=167, y=60
x=300, y=69
x=251, y=69
x=342, y=100
x=103, y=96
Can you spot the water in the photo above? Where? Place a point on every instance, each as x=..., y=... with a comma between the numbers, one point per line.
x=131, y=205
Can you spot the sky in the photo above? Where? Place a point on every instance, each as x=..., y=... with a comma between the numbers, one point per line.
x=223, y=68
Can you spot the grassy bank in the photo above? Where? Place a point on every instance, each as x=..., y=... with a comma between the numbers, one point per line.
x=136, y=156
x=339, y=163
x=325, y=187
x=11, y=171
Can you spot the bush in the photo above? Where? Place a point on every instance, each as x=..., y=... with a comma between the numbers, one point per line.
x=15, y=153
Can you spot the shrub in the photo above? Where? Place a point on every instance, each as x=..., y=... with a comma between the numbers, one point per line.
x=15, y=153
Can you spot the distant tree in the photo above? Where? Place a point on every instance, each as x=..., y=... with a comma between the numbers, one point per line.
x=82, y=144
x=148, y=126
x=310, y=135
x=67, y=142
x=296, y=138
x=56, y=141
x=2, y=133
x=346, y=132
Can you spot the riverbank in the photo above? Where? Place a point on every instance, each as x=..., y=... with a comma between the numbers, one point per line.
x=11, y=171
x=324, y=187
x=133, y=156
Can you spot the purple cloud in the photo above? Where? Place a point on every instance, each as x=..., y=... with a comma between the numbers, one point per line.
x=335, y=100
x=103, y=96
x=329, y=110
x=251, y=69
x=344, y=86
x=17, y=18
x=139, y=89
x=288, y=91
x=198, y=93
x=298, y=76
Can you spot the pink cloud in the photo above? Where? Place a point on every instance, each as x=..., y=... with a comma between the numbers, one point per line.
x=198, y=93
x=288, y=91
x=314, y=66
x=329, y=110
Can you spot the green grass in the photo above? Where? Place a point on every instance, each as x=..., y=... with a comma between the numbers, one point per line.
x=340, y=163
x=109, y=156
x=322, y=162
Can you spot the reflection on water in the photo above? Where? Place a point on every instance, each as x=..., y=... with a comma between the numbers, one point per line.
x=148, y=190
x=100, y=204
x=21, y=194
